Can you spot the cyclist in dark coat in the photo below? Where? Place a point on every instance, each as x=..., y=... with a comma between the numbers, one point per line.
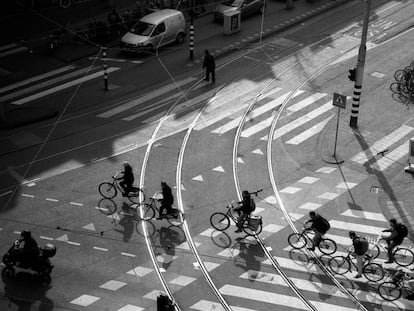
x=318, y=226
x=127, y=179
x=393, y=240
x=167, y=199
x=245, y=209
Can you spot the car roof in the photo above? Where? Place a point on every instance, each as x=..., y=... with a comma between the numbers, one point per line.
x=159, y=15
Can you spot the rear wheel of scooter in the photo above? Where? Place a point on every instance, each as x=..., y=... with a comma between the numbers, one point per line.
x=8, y=261
x=8, y=271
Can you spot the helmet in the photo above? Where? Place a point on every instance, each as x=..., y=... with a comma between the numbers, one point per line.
x=26, y=234
x=125, y=163
x=245, y=193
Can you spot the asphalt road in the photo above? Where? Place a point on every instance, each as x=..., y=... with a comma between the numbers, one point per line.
x=193, y=140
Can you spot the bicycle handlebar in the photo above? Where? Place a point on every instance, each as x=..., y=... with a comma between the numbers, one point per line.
x=256, y=192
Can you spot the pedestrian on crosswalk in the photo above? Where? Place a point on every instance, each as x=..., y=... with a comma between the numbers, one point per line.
x=210, y=66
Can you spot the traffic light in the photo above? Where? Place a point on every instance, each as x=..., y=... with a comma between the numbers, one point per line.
x=352, y=74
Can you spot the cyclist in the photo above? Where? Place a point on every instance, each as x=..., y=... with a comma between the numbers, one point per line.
x=394, y=239
x=244, y=210
x=167, y=199
x=30, y=250
x=127, y=179
x=319, y=225
x=360, y=249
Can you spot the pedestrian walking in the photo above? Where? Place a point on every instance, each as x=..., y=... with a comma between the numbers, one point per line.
x=210, y=66
x=360, y=245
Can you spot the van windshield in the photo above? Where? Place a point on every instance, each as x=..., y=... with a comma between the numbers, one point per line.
x=142, y=29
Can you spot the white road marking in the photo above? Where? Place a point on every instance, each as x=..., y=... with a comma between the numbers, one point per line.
x=382, y=144
x=13, y=51
x=63, y=86
x=113, y=285
x=140, y=271
x=309, y=132
x=305, y=102
x=363, y=228
x=128, y=254
x=5, y=193
x=52, y=200
x=28, y=195
x=73, y=243
x=35, y=78
x=46, y=238
x=392, y=157
x=145, y=97
x=100, y=249
x=326, y=170
x=204, y=305
x=77, y=204
x=85, y=300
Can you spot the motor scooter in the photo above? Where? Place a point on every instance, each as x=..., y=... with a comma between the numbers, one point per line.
x=15, y=258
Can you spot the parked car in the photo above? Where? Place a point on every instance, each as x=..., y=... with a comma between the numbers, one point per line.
x=155, y=30
x=246, y=7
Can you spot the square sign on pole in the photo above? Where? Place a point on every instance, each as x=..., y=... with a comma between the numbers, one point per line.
x=339, y=100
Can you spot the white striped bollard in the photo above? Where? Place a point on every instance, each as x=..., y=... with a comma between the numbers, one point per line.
x=105, y=68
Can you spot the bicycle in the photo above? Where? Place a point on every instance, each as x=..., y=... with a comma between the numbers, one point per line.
x=148, y=211
x=392, y=290
x=301, y=240
x=343, y=264
x=403, y=255
x=252, y=225
x=109, y=190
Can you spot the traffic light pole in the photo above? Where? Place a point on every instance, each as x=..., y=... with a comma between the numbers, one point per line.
x=353, y=122
x=192, y=29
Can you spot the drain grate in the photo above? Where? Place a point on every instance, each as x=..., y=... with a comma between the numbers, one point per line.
x=374, y=189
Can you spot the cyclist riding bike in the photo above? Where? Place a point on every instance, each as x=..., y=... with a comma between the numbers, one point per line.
x=245, y=209
x=127, y=179
x=166, y=201
x=319, y=225
x=394, y=239
x=360, y=249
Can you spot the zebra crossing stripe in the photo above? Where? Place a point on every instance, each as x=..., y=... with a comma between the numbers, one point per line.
x=392, y=157
x=309, y=132
x=147, y=96
x=300, y=121
x=63, y=86
x=36, y=78
x=382, y=144
x=364, y=215
x=204, y=305
x=306, y=102
x=362, y=228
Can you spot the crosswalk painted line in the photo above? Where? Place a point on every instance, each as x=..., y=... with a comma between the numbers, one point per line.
x=13, y=51
x=45, y=84
x=394, y=156
x=204, y=305
x=35, y=78
x=299, y=121
x=364, y=215
x=355, y=227
x=312, y=131
x=146, y=97
x=63, y=86
x=310, y=206
x=382, y=144
x=306, y=102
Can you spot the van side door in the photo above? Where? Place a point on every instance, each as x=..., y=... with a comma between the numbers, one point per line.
x=157, y=36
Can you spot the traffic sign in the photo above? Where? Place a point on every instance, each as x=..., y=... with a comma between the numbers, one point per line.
x=339, y=100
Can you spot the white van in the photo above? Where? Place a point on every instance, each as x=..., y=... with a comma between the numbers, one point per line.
x=155, y=30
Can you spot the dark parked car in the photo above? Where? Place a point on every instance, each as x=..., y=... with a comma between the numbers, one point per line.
x=246, y=7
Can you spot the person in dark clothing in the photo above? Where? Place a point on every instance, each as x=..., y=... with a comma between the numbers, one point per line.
x=244, y=210
x=127, y=179
x=114, y=21
x=393, y=240
x=30, y=250
x=210, y=66
x=318, y=226
x=167, y=199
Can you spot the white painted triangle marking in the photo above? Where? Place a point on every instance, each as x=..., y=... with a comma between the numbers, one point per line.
x=198, y=178
x=114, y=216
x=90, y=226
x=63, y=238
x=240, y=160
x=219, y=169
x=258, y=151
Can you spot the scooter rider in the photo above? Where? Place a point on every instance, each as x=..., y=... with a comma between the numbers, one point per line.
x=30, y=250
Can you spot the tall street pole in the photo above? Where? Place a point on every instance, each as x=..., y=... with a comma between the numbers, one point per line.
x=360, y=67
x=192, y=29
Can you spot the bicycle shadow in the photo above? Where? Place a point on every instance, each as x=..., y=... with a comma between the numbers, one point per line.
x=249, y=252
x=170, y=237
x=220, y=238
x=127, y=222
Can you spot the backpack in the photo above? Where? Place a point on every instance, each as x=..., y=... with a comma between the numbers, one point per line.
x=323, y=225
x=360, y=245
x=252, y=205
x=402, y=230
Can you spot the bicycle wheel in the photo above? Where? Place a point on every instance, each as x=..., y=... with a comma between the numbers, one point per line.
x=395, y=87
x=389, y=291
x=373, y=272
x=339, y=265
x=134, y=195
x=403, y=256
x=327, y=246
x=249, y=230
x=297, y=240
x=107, y=190
x=374, y=251
x=147, y=211
x=219, y=221
x=400, y=75
x=176, y=220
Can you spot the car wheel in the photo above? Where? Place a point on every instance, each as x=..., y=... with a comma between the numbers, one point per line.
x=180, y=38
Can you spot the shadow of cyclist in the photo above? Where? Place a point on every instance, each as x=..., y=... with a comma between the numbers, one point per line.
x=126, y=221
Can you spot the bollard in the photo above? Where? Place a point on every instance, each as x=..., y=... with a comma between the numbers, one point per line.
x=105, y=68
